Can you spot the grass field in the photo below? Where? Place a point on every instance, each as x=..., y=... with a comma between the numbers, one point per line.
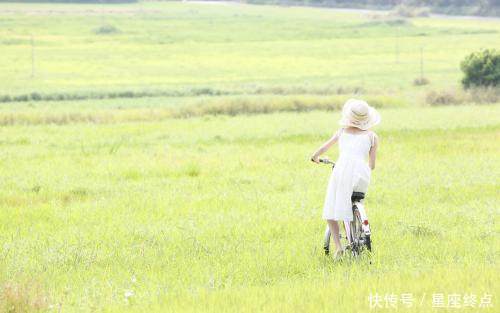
x=124, y=205
x=230, y=47
x=224, y=213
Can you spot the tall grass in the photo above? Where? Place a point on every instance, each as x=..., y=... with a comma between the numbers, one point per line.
x=49, y=113
x=459, y=96
x=26, y=297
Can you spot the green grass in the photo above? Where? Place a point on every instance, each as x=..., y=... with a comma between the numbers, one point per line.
x=172, y=46
x=152, y=182
x=223, y=213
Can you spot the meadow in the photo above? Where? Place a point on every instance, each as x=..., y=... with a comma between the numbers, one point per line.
x=154, y=46
x=200, y=196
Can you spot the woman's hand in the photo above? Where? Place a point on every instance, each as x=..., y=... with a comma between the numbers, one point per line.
x=315, y=158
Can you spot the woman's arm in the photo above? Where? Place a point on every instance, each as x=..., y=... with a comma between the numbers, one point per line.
x=325, y=146
x=373, y=151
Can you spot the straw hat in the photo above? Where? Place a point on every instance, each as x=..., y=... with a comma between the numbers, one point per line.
x=357, y=113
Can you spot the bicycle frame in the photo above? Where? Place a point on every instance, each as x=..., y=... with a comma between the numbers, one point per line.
x=363, y=217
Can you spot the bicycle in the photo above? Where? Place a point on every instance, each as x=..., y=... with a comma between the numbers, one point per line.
x=358, y=233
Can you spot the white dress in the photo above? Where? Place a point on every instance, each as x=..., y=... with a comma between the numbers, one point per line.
x=351, y=173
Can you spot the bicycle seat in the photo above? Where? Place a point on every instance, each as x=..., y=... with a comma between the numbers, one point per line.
x=357, y=196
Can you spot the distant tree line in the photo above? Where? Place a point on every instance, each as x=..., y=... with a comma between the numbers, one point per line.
x=473, y=7
x=466, y=7
x=392, y=3
x=71, y=1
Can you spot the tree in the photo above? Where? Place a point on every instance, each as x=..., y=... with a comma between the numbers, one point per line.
x=481, y=68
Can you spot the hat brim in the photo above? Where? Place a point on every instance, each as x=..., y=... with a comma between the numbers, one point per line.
x=373, y=120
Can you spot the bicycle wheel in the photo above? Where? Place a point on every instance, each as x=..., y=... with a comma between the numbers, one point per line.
x=355, y=234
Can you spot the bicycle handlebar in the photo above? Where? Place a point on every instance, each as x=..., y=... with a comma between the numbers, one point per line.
x=326, y=161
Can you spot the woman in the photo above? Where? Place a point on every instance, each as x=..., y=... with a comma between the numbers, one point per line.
x=351, y=172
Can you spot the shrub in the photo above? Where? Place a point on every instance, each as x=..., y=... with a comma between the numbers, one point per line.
x=5, y=98
x=476, y=95
x=21, y=98
x=35, y=96
x=445, y=97
x=420, y=81
x=106, y=30
x=483, y=95
x=410, y=11
x=481, y=68
x=391, y=21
